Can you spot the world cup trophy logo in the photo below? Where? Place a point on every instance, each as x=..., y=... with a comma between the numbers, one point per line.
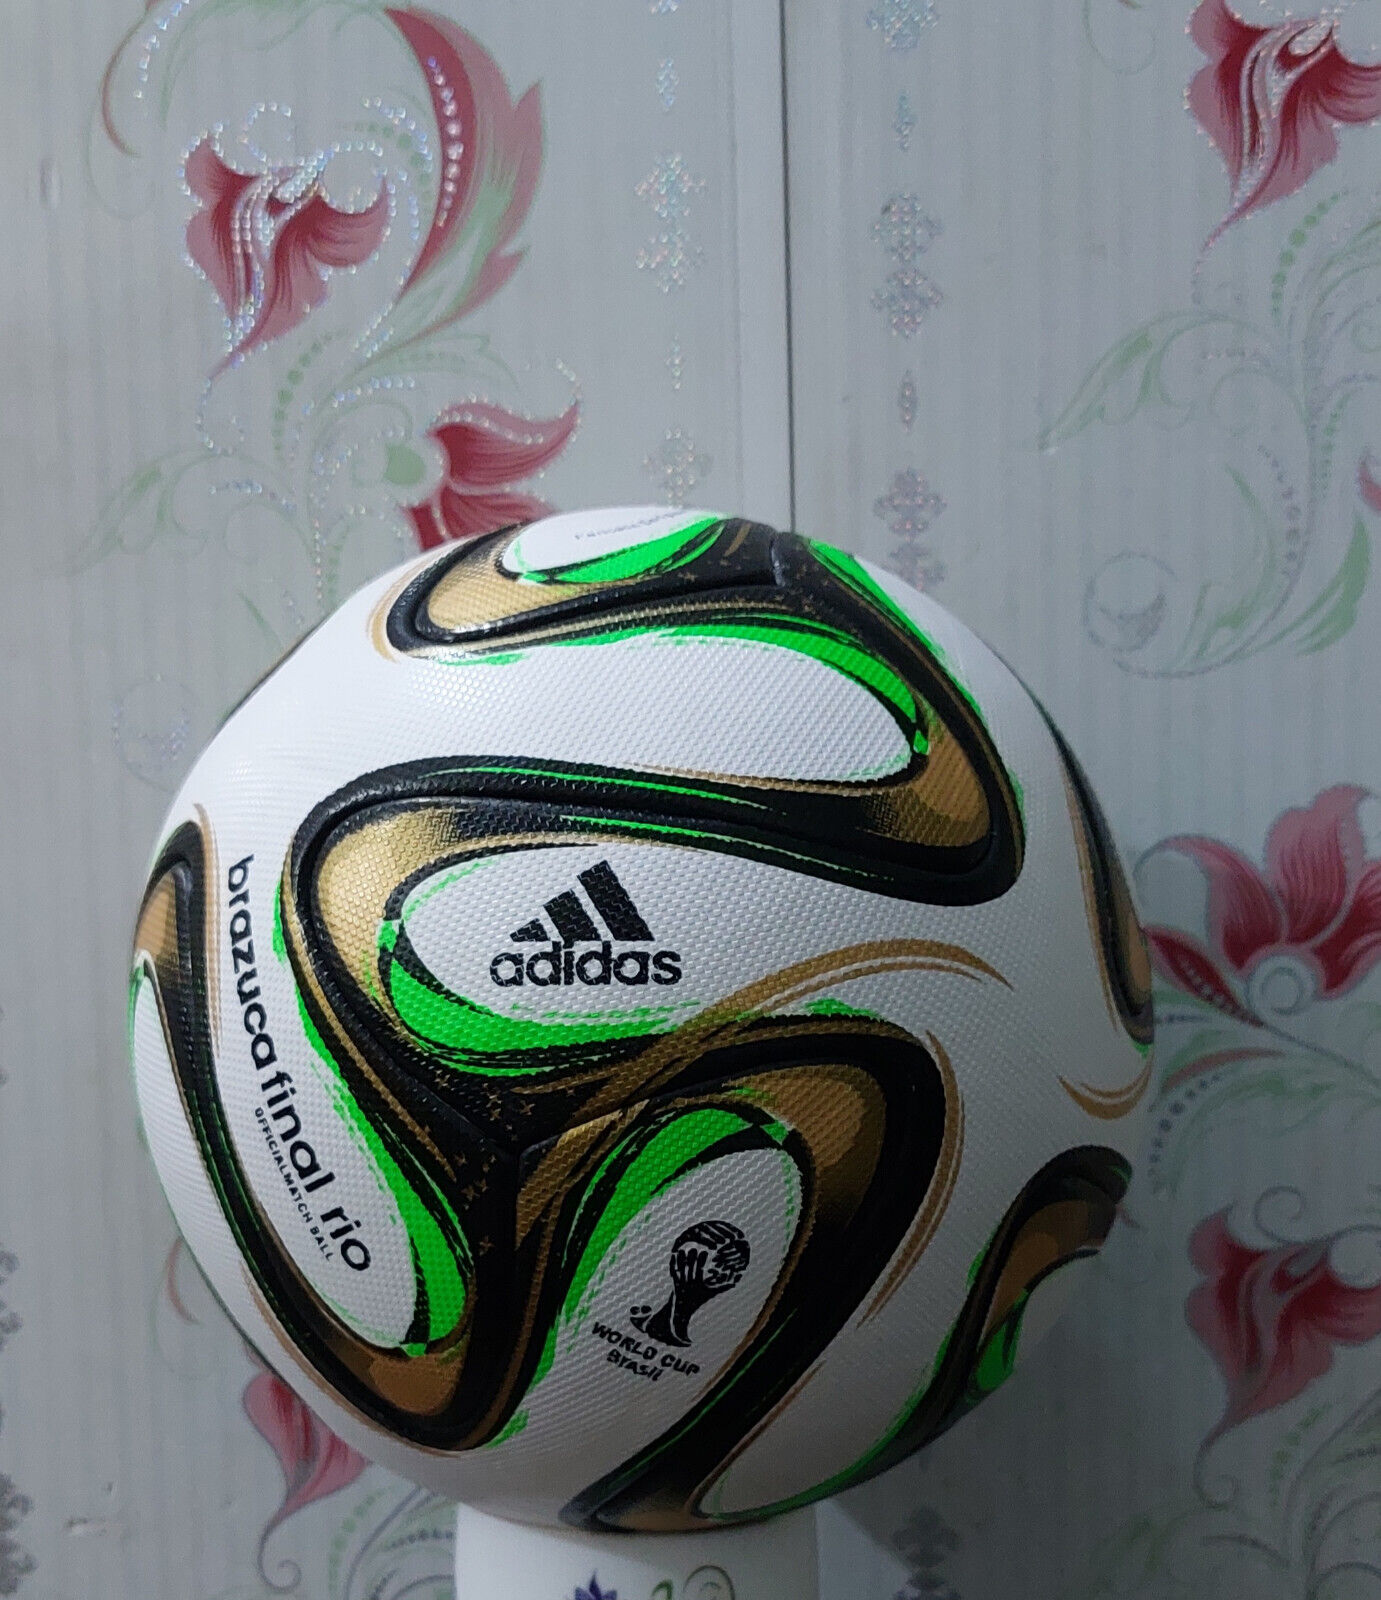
x=707, y=1259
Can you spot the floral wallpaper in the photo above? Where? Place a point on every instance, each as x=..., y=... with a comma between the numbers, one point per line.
x=1248, y=1003
x=15, y=1561
x=376, y=420
x=382, y=1539
x=1268, y=1049
x=1271, y=100
x=1085, y=337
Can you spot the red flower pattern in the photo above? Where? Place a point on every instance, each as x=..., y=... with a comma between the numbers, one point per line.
x=1319, y=901
x=1271, y=99
x=315, y=1462
x=1271, y=1318
x=266, y=240
x=491, y=157
x=487, y=448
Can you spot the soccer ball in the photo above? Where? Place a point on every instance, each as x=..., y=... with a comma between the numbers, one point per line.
x=637, y=1016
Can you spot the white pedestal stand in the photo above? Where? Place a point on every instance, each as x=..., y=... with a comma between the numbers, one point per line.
x=497, y=1560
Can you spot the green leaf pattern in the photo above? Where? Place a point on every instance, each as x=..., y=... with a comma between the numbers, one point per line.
x=1312, y=349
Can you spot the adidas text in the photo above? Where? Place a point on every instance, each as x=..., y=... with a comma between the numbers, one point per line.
x=560, y=966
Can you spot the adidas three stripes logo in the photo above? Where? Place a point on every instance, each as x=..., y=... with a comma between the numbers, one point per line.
x=573, y=923
x=570, y=921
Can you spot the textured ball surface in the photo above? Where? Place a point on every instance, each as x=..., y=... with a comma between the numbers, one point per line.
x=638, y=1017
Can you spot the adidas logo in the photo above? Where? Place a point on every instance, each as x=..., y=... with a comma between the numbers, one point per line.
x=571, y=924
